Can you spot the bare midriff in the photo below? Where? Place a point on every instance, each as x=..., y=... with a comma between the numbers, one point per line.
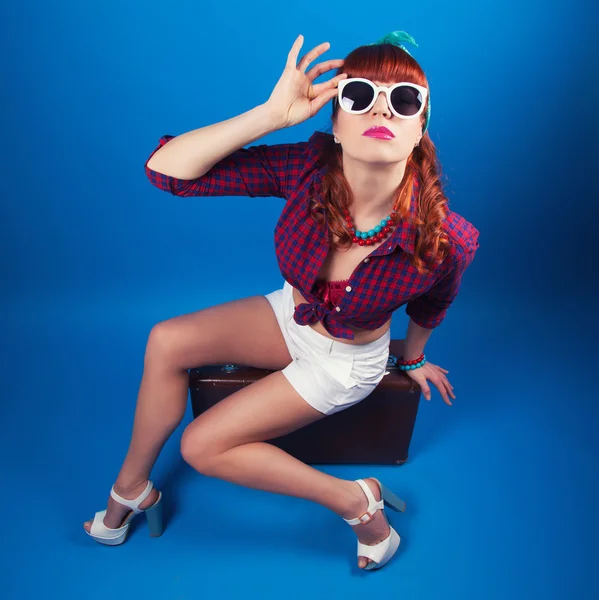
x=361, y=336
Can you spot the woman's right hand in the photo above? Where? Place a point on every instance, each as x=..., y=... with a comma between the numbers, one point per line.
x=295, y=99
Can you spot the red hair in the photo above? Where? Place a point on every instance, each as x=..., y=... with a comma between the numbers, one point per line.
x=387, y=62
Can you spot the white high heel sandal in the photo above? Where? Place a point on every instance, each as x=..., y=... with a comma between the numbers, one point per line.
x=114, y=537
x=382, y=552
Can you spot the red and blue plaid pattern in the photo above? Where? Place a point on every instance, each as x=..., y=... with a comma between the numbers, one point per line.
x=379, y=285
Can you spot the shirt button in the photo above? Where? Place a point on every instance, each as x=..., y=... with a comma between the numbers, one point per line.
x=366, y=260
x=337, y=309
x=348, y=288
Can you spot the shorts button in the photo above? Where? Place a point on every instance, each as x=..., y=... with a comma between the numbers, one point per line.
x=337, y=309
x=366, y=260
x=348, y=288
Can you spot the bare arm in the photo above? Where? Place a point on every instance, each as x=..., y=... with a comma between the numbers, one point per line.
x=294, y=99
x=192, y=154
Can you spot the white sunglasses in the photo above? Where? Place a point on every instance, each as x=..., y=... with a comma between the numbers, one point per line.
x=405, y=100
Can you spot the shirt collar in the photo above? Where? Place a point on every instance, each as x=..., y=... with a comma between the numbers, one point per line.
x=405, y=232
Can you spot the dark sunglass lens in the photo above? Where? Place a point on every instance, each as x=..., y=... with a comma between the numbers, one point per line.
x=406, y=100
x=357, y=95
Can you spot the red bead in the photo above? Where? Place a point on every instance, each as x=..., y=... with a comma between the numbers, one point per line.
x=381, y=236
x=411, y=362
x=386, y=230
x=355, y=240
x=361, y=242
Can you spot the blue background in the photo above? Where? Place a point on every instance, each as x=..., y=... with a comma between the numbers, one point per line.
x=501, y=488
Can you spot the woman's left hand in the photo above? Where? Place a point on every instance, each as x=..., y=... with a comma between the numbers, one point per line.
x=435, y=374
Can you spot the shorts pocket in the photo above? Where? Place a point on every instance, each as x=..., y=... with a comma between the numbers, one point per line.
x=368, y=370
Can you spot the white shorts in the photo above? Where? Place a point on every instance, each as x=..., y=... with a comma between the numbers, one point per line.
x=330, y=375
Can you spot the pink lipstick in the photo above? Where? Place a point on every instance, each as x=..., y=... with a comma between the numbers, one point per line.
x=381, y=133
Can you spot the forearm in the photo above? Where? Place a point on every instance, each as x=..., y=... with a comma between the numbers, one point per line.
x=192, y=154
x=416, y=338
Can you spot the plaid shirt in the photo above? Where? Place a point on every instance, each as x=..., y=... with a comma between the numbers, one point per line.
x=379, y=285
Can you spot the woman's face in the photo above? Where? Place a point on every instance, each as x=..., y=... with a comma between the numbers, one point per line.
x=350, y=129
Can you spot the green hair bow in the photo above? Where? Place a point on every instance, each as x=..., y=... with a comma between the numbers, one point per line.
x=397, y=38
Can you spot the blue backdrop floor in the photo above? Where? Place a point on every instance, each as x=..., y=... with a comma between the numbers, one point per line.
x=499, y=487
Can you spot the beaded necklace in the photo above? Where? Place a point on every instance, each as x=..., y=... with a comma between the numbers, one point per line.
x=374, y=235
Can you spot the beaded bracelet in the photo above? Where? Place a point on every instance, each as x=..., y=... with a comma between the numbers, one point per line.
x=408, y=365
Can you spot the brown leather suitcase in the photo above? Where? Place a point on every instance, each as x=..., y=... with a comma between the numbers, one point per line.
x=377, y=430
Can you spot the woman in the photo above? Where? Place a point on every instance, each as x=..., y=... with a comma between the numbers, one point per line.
x=326, y=332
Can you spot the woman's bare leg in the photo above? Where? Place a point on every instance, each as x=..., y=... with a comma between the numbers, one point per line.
x=226, y=442
x=243, y=331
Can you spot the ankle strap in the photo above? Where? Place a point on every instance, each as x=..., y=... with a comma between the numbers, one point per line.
x=373, y=505
x=133, y=504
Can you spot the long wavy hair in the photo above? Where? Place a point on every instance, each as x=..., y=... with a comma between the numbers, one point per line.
x=386, y=62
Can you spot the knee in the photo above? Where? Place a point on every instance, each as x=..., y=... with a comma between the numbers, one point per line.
x=197, y=449
x=162, y=342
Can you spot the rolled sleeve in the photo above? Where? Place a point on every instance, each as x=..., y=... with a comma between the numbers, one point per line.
x=261, y=170
x=429, y=309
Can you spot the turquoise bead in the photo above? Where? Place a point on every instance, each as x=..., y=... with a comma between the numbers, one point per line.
x=383, y=222
x=371, y=233
x=378, y=228
x=358, y=234
x=364, y=235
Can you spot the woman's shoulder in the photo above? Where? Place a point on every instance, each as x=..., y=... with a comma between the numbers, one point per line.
x=314, y=145
x=317, y=145
x=310, y=154
x=319, y=139
x=305, y=153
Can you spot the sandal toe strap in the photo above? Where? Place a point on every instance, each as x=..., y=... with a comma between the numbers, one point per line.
x=375, y=553
x=98, y=529
x=382, y=552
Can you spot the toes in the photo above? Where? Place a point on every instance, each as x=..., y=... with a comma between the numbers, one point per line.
x=363, y=562
x=87, y=526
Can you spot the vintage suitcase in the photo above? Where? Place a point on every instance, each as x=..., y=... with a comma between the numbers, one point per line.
x=377, y=430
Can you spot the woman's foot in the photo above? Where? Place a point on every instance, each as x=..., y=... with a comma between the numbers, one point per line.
x=377, y=529
x=117, y=513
